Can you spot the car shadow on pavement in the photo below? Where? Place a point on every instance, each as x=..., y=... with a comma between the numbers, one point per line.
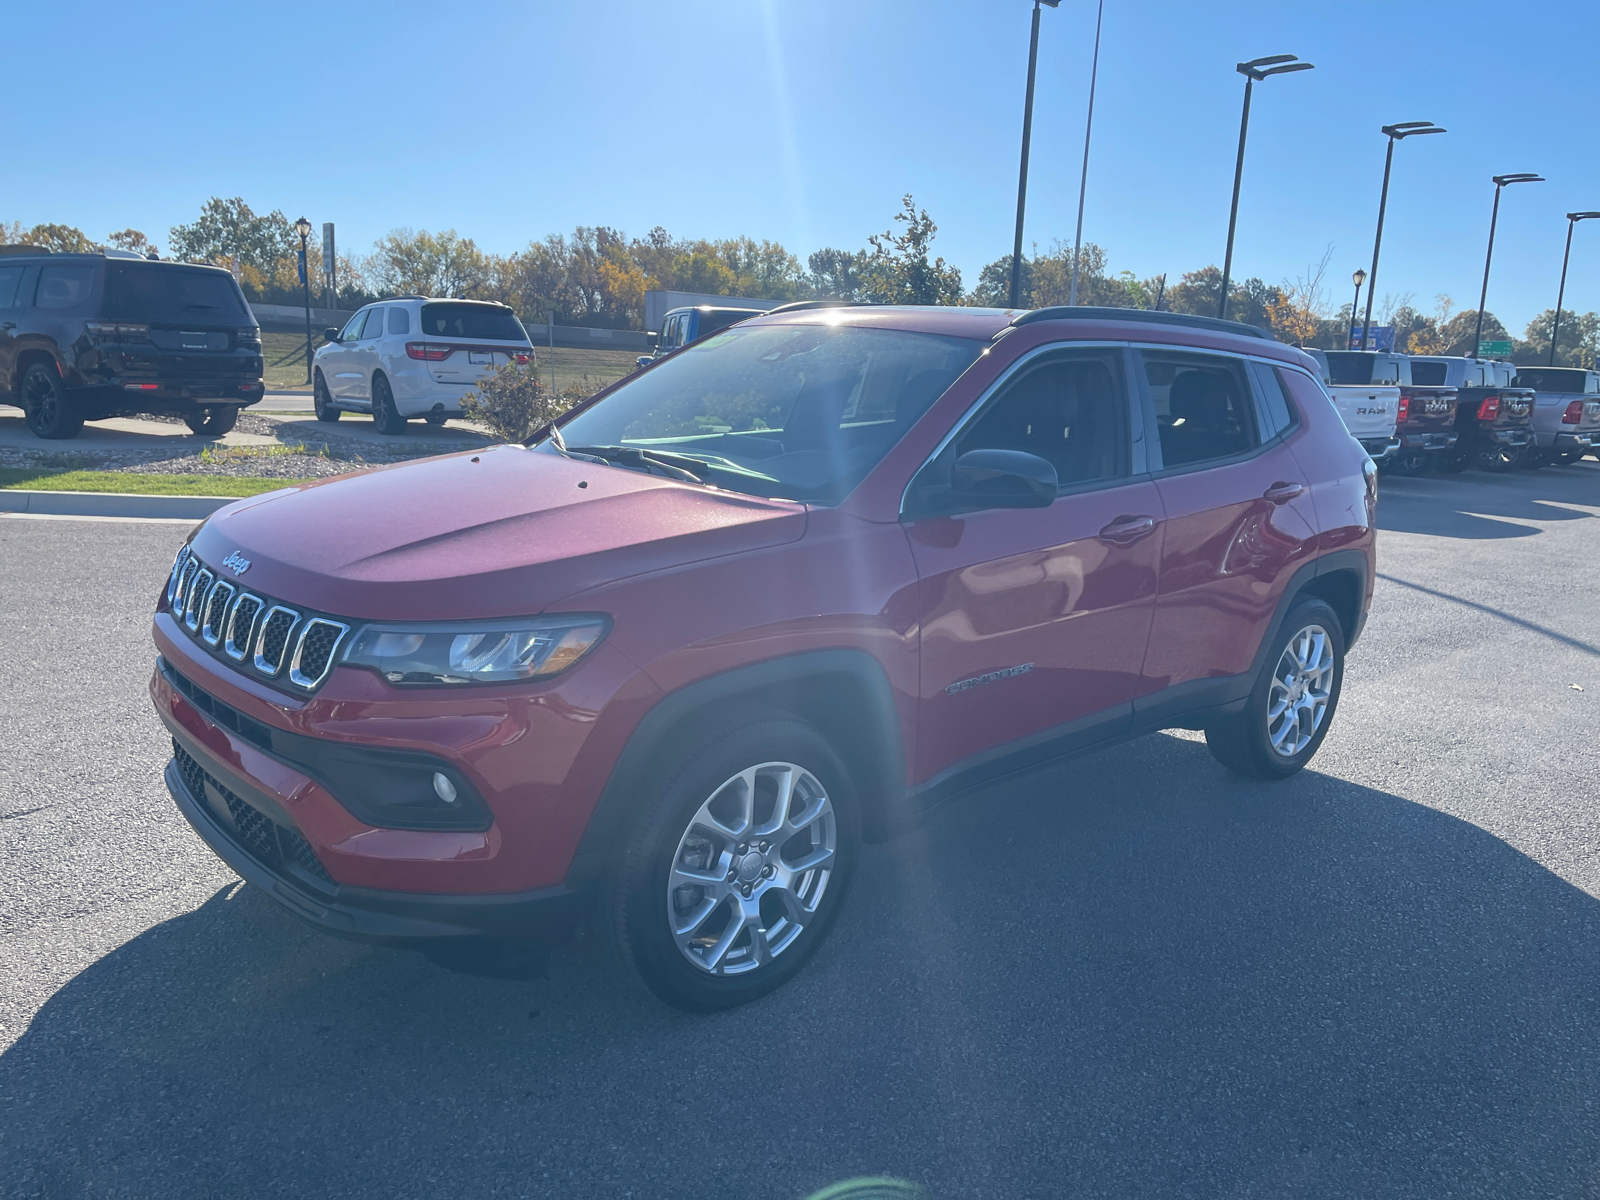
x=1136, y=975
x=1483, y=505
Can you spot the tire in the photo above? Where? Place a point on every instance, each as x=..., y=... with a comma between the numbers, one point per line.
x=384, y=414
x=741, y=947
x=1406, y=465
x=434, y=419
x=1453, y=462
x=1257, y=744
x=1497, y=458
x=322, y=402
x=213, y=420
x=49, y=410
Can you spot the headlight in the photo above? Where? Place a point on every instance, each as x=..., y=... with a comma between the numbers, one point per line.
x=476, y=651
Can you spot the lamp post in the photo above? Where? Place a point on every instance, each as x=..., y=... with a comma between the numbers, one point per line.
x=1561, y=295
x=1360, y=277
x=1027, y=134
x=1083, y=178
x=1396, y=133
x=303, y=228
x=1500, y=181
x=1253, y=71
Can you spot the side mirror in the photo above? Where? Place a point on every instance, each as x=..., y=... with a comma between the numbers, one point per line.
x=1003, y=479
x=330, y=335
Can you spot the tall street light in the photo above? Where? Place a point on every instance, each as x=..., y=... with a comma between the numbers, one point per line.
x=303, y=228
x=1253, y=71
x=1360, y=277
x=1396, y=132
x=1500, y=181
x=1083, y=179
x=1027, y=134
x=1561, y=295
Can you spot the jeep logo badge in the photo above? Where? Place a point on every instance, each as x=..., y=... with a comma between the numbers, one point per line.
x=236, y=563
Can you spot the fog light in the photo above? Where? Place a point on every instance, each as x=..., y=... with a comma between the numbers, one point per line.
x=443, y=788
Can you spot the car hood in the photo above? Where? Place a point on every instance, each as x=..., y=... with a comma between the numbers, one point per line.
x=504, y=532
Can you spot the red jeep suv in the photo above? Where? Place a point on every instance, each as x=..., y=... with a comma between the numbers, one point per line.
x=672, y=661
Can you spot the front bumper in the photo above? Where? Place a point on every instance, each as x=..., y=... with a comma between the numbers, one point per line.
x=1381, y=449
x=359, y=914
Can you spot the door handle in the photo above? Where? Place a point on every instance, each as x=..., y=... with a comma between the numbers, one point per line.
x=1126, y=530
x=8, y=324
x=1282, y=493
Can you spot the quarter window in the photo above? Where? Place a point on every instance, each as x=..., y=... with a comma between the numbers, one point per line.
x=399, y=321
x=1202, y=404
x=1276, y=415
x=1070, y=410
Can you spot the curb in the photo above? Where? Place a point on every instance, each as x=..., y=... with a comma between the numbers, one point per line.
x=111, y=504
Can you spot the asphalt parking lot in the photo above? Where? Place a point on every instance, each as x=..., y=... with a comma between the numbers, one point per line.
x=1134, y=976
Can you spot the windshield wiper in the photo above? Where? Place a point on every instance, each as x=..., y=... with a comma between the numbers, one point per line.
x=633, y=456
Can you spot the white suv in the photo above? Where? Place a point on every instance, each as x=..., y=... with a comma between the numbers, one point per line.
x=414, y=357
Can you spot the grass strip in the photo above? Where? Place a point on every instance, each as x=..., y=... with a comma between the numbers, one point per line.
x=29, y=479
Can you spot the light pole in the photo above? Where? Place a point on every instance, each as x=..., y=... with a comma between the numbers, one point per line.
x=303, y=228
x=1360, y=277
x=1500, y=181
x=1253, y=71
x=1561, y=295
x=1027, y=134
x=1083, y=179
x=1396, y=132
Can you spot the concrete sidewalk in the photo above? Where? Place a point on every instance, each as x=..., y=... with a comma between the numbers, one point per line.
x=119, y=505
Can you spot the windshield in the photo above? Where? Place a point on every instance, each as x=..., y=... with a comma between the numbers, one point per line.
x=164, y=293
x=1552, y=379
x=801, y=412
x=472, y=321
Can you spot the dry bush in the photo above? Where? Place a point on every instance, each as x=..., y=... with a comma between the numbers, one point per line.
x=512, y=402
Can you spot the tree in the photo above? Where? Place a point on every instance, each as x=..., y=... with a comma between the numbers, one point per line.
x=229, y=231
x=836, y=274
x=416, y=262
x=132, y=239
x=59, y=239
x=1456, y=332
x=1579, y=345
x=1299, y=310
x=898, y=270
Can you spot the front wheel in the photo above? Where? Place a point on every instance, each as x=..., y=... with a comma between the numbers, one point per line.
x=49, y=410
x=1293, y=701
x=213, y=420
x=322, y=401
x=384, y=414
x=737, y=868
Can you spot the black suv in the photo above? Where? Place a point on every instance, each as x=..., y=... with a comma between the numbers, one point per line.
x=88, y=336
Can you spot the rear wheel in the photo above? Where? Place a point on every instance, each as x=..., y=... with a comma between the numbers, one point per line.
x=49, y=410
x=1498, y=458
x=322, y=401
x=1405, y=464
x=384, y=414
x=214, y=420
x=434, y=419
x=737, y=867
x=1453, y=461
x=1293, y=701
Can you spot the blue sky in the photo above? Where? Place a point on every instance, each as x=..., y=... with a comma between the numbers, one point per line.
x=804, y=121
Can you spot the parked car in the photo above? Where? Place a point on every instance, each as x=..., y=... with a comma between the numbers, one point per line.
x=684, y=325
x=413, y=357
x=777, y=594
x=89, y=336
x=1566, y=411
x=1426, y=422
x=1493, y=418
x=1365, y=386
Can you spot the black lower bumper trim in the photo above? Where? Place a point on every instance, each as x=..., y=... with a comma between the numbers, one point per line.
x=381, y=917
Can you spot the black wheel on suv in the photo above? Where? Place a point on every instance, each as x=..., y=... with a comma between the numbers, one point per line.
x=736, y=867
x=384, y=414
x=321, y=401
x=214, y=420
x=49, y=410
x=1293, y=701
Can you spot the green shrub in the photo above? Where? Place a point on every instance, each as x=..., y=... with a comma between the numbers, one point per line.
x=511, y=401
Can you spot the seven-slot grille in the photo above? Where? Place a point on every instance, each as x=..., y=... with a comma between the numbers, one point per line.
x=274, y=641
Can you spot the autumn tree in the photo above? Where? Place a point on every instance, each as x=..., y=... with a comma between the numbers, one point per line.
x=133, y=240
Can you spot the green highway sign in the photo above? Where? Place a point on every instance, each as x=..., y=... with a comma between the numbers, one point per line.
x=1494, y=349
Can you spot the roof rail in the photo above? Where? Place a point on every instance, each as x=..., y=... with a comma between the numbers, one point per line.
x=20, y=248
x=1086, y=312
x=800, y=305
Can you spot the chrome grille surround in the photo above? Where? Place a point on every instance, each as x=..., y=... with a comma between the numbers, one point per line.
x=278, y=617
x=216, y=612
x=236, y=641
x=185, y=577
x=322, y=652
x=199, y=593
x=178, y=563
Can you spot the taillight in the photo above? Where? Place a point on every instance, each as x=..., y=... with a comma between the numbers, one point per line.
x=1489, y=409
x=427, y=352
x=117, y=331
x=523, y=357
x=1405, y=409
x=1574, y=413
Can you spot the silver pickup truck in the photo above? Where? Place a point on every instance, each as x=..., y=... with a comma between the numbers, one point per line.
x=1566, y=411
x=1365, y=386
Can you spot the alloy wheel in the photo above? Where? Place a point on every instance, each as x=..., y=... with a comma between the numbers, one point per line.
x=1301, y=686
x=40, y=399
x=751, y=869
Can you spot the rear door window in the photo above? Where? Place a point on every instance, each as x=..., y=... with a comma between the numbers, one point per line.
x=64, y=286
x=1203, y=406
x=1276, y=415
x=1427, y=374
x=10, y=277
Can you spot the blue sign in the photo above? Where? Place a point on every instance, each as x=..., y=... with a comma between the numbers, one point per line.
x=1379, y=337
x=301, y=255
